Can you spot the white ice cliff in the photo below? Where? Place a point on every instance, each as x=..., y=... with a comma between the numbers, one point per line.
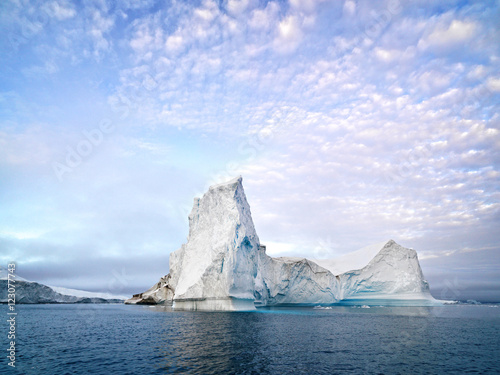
x=217, y=267
x=293, y=281
x=223, y=266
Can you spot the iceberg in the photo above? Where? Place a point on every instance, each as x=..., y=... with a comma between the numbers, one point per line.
x=394, y=273
x=217, y=267
x=293, y=281
x=159, y=293
x=223, y=266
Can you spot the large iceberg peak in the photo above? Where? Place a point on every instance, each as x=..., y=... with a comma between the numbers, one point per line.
x=218, y=262
x=233, y=184
x=392, y=245
x=223, y=201
x=395, y=254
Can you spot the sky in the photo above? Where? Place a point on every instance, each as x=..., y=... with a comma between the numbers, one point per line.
x=351, y=122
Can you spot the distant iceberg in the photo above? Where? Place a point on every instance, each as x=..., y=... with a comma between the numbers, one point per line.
x=223, y=266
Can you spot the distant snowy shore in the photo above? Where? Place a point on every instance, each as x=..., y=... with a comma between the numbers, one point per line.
x=30, y=292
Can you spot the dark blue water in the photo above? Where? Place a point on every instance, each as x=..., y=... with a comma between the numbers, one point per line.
x=118, y=339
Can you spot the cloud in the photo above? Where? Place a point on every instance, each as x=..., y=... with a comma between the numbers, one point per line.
x=136, y=4
x=349, y=8
x=174, y=43
x=264, y=18
x=387, y=55
x=237, y=7
x=305, y=6
x=100, y=25
x=447, y=36
x=289, y=35
x=36, y=71
x=493, y=83
x=61, y=10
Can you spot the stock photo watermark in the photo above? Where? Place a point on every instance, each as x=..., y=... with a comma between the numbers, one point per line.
x=11, y=314
x=32, y=24
x=76, y=155
x=92, y=139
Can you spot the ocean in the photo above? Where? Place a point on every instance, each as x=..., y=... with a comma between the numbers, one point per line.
x=124, y=339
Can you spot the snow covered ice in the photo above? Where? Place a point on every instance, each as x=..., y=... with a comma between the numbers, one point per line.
x=223, y=266
x=394, y=273
x=294, y=281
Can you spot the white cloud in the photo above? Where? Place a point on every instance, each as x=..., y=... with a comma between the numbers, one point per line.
x=61, y=10
x=237, y=7
x=98, y=28
x=207, y=12
x=148, y=35
x=349, y=8
x=264, y=18
x=449, y=35
x=289, y=35
x=306, y=6
x=387, y=55
x=477, y=72
x=141, y=41
x=36, y=71
x=493, y=83
x=174, y=43
x=431, y=81
x=136, y=4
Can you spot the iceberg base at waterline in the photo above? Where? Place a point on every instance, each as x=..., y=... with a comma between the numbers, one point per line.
x=214, y=304
x=391, y=301
x=223, y=266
